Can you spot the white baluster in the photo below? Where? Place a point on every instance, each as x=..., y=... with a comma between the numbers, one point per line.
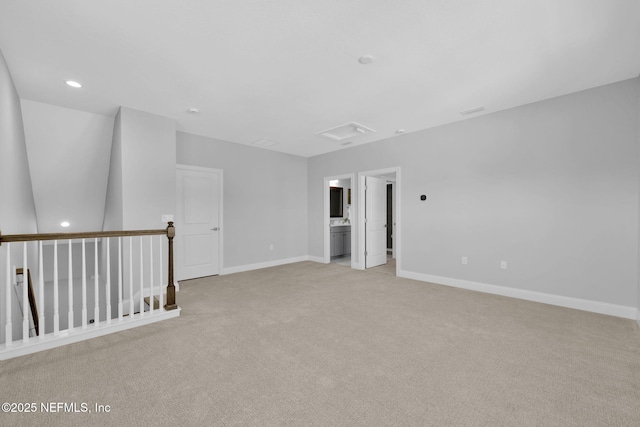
x=25, y=296
x=160, y=296
x=108, y=294
x=130, y=277
x=96, y=309
x=41, y=329
x=120, y=279
x=151, y=296
x=84, y=286
x=70, y=282
x=141, y=279
x=8, y=327
x=56, y=309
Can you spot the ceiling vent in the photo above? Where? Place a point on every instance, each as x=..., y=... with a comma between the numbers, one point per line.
x=265, y=143
x=472, y=111
x=345, y=131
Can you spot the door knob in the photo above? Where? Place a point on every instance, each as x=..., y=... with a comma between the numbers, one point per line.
x=214, y=229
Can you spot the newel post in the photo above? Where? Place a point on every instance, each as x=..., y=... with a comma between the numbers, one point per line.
x=171, y=289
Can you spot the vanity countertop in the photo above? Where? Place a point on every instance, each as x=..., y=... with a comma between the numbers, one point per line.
x=340, y=225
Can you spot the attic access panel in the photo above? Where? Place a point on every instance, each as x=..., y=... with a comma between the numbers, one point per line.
x=345, y=131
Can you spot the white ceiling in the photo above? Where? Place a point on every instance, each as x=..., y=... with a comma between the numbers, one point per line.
x=285, y=70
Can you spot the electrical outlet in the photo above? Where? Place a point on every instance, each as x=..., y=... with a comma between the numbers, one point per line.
x=271, y=247
x=167, y=218
x=503, y=265
x=464, y=260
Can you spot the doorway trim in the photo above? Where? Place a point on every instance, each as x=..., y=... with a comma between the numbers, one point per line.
x=397, y=243
x=220, y=173
x=326, y=221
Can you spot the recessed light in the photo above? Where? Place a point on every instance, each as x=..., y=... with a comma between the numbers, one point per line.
x=73, y=84
x=346, y=143
x=64, y=224
x=193, y=110
x=399, y=131
x=365, y=59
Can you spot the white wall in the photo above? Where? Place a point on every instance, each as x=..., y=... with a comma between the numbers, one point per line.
x=550, y=187
x=265, y=198
x=148, y=168
x=69, y=158
x=141, y=177
x=69, y=153
x=141, y=184
x=113, y=210
x=17, y=208
x=638, y=132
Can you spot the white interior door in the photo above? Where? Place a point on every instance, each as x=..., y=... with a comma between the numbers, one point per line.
x=375, y=224
x=197, y=223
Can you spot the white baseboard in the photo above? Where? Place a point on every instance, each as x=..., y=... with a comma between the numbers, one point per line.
x=562, y=301
x=266, y=264
x=77, y=334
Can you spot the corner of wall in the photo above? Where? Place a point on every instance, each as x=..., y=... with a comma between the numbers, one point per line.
x=638, y=163
x=113, y=215
x=17, y=209
x=19, y=216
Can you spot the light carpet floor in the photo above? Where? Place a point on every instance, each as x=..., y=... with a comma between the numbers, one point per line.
x=308, y=344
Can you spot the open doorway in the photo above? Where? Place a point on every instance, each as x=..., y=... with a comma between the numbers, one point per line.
x=338, y=217
x=379, y=218
x=391, y=220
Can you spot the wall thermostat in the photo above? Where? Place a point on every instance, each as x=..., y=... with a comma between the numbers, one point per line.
x=423, y=197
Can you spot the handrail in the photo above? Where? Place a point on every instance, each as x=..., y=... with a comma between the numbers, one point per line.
x=79, y=235
x=169, y=232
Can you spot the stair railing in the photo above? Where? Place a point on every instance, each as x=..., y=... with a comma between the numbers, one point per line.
x=131, y=284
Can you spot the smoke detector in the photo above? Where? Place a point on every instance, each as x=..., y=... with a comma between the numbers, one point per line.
x=365, y=59
x=345, y=131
